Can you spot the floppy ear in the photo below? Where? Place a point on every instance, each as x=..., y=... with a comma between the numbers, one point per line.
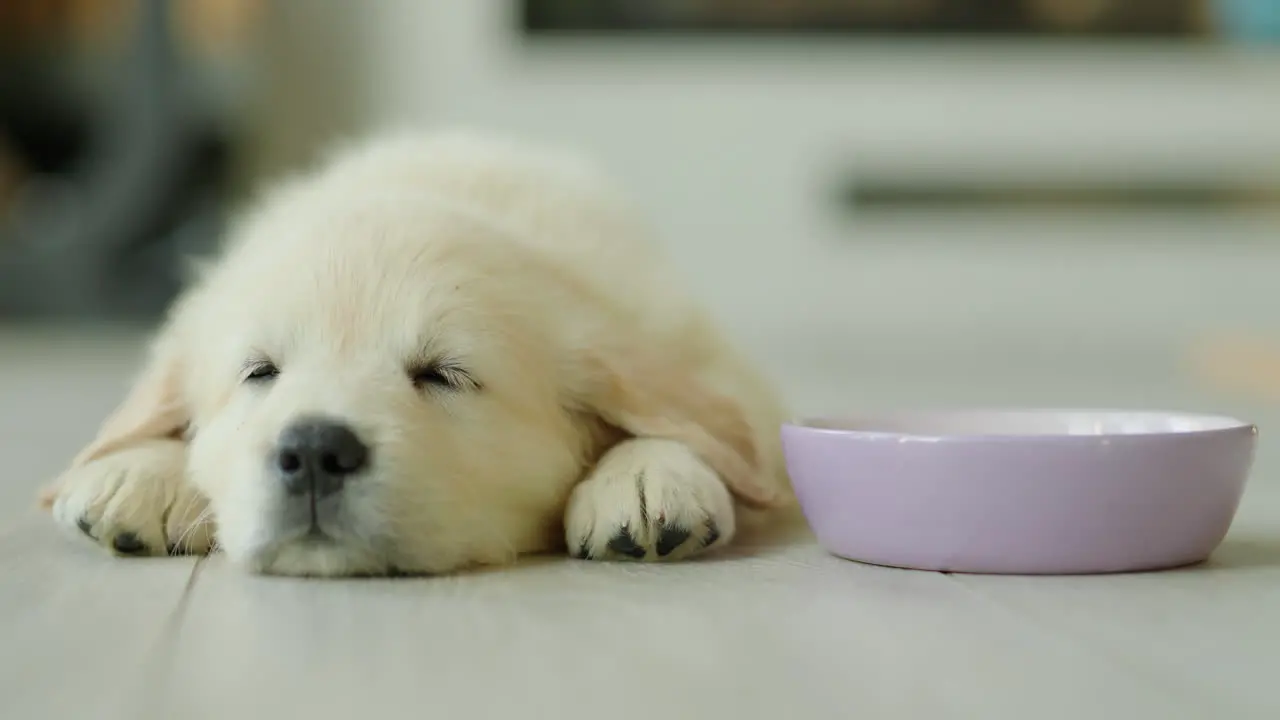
x=154, y=407
x=649, y=397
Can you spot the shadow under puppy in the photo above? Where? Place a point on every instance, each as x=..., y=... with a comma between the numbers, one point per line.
x=435, y=351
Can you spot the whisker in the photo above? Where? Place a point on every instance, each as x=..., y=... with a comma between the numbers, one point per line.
x=190, y=530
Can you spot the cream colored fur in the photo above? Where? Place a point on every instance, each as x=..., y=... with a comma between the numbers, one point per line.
x=609, y=417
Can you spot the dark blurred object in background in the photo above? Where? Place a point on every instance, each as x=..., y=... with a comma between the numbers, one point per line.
x=113, y=152
x=1089, y=18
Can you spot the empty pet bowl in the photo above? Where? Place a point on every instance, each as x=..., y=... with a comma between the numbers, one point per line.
x=1027, y=492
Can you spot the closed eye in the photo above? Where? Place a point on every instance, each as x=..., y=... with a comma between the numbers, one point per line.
x=260, y=371
x=442, y=375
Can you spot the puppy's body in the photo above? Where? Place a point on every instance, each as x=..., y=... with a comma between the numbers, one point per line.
x=491, y=330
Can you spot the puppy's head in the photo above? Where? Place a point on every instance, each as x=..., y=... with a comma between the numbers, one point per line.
x=374, y=388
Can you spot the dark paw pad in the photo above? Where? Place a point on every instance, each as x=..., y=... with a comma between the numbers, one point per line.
x=713, y=534
x=624, y=544
x=126, y=543
x=584, y=552
x=670, y=538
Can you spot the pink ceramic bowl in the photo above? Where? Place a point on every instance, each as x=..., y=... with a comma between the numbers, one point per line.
x=1028, y=492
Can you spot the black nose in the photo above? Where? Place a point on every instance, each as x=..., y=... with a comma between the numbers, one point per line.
x=317, y=455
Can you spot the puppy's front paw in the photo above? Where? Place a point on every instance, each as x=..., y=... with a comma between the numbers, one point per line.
x=135, y=502
x=648, y=499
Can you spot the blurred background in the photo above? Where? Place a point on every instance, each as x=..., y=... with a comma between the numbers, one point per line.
x=888, y=201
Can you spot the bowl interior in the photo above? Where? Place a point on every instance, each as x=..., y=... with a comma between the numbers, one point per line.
x=1015, y=423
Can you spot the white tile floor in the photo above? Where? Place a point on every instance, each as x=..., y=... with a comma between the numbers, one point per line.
x=774, y=632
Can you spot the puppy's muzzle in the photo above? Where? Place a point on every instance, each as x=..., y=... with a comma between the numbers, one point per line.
x=316, y=457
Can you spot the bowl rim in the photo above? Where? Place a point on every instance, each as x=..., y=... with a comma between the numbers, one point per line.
x=811, y=424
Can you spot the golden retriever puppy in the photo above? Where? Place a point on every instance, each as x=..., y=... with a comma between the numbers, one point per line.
x=434, y=352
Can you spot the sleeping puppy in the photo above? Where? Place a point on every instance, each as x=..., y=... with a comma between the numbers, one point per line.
x=434, y=352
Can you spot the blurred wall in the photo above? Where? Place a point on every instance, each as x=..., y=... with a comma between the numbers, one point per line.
x=739, y=149
x=312, y=78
